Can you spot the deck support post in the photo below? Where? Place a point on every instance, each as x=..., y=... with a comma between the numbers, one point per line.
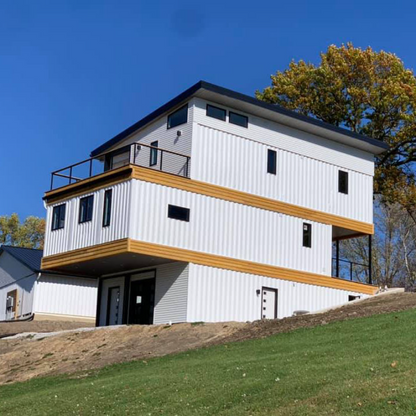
x=370, y=259
x=337, y=258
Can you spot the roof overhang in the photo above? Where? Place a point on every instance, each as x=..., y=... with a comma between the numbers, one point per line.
x=258, y=108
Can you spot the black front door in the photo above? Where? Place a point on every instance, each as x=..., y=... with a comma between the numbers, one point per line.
x=142, y=301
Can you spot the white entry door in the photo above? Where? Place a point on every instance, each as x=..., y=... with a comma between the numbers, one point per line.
x=268, y=303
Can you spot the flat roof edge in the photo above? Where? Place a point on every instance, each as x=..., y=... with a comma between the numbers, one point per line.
x=203, y=85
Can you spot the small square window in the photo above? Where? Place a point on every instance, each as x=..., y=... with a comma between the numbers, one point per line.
x=178, y=117
x=271, y=161
x=153, y=153
x=178, y=213
x=108, y=196
x=58, y=217
x=85, y=208
x=216, y=112
x=238, y=119
x=307, y=235
x=342, y=182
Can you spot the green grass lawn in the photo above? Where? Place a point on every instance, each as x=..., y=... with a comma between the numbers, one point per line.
x=336, y=369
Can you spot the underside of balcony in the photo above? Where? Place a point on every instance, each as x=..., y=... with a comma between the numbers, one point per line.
x=127, y=254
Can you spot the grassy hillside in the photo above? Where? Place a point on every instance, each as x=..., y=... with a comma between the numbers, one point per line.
x=364, y=366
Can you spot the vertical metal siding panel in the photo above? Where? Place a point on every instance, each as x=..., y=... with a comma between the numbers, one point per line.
x=290, y=139
x=231, y=296
x=171, y=293
x=75, y=235
x=234, y=162
x=229, y=229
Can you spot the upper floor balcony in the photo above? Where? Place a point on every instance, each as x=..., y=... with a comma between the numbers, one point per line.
x=137, y=154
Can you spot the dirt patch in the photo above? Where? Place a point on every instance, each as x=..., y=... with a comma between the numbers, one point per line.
x=22, y=359
x=11, y=328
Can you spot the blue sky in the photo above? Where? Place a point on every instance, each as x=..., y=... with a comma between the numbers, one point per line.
x=75, y=73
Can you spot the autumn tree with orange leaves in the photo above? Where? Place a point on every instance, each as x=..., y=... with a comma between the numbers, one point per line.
x=368, y=92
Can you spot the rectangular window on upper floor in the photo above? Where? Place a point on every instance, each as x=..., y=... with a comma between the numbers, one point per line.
x=238, y=119
x=85, y=209
x=178, y=213
x=58, y=217
x=271, y=161
x=216, y=112
x=307, y=235
x=178, y=117
x=342, y=182
x=108, y=196
x=153, y=153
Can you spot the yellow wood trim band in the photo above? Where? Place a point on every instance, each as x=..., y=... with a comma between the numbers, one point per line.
x=206, y=189
x=204, y=259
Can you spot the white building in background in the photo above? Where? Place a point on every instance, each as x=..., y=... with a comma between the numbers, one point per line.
x=215, y=207
x=27, y=292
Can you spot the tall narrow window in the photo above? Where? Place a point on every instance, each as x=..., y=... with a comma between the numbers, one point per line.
x=271, y=161
x=307, y=235
x=238, y=119
x=58, y=217
x=153, y=153
x=85, y=208
x=178, y=117
x=343, y=182
x=178, y=213
x=108, y=196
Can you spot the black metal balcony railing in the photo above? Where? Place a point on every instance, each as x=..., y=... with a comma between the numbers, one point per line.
x=137, y=154
x=349, y=270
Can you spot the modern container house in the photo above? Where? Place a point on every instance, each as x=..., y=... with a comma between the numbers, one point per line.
x=215, y=207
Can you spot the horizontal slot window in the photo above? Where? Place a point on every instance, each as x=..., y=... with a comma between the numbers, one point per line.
x=178, y=213
x=238, y=119
x=216, y=112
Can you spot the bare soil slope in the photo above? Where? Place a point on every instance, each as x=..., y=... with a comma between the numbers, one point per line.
x=22, y=359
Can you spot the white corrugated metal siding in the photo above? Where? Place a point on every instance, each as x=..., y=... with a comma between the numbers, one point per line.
x=217, y=295
x=234, y=162
x=75, y=235
x=171, y=293
x=228, y=229
x=66, y=295
x=287, y=138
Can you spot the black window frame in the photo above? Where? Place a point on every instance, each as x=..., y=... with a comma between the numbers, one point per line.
x=108, y=199
x=271, y=161
x=153, y=153
x=307, y=235
x=58, y=223
x=174, y=216
x=168, y=124
x=89, y=209
x=343, y=182
x=209, y=106
x=232, y=113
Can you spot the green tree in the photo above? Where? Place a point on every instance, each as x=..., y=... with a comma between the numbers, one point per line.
x=368, y=92
x=29, y=234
